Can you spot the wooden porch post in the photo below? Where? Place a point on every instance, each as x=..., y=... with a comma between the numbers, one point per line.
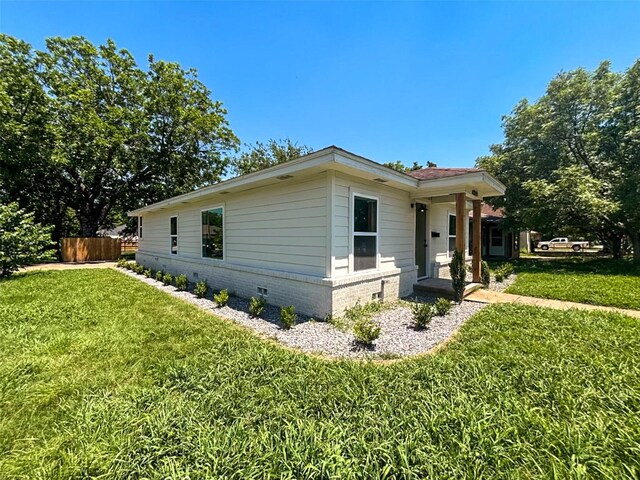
x=461, y=221
x=477, y=241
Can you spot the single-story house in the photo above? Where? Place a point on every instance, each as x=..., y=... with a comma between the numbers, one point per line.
x=498, y=242
x=320, y=232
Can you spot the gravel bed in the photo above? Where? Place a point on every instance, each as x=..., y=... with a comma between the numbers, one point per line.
x=502, y=286
x=398, y=338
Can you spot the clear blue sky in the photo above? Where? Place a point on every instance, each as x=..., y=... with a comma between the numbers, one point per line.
x=390, y=81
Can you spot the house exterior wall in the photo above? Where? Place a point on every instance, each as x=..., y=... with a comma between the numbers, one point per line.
x=438, y=247
x=294, y=239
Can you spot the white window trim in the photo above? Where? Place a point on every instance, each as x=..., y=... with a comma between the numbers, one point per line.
x=140, y=227
x=224, y=235
x=449, y=215
x=176, y=235
x=352, y=232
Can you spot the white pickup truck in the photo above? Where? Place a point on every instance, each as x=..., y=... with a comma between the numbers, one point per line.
x=562, y=242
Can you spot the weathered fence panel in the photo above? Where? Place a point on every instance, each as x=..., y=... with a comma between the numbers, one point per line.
x=90, y=249
x=128, y=246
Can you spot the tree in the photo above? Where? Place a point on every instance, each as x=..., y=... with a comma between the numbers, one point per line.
x=22, y=241
x=116, y=136
x=570, y=160
x=401, y=167
x=260, y=156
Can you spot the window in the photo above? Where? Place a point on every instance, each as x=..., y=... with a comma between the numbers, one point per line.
x=139, y=228
x=496, y=237
x=452, y=234
x=173, y=234
x=213, y=233
x=365, y=233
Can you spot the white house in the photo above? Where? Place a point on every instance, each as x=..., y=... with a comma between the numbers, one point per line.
x=320, y=232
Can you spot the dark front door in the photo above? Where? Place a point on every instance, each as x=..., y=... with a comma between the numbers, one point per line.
x=421, y=239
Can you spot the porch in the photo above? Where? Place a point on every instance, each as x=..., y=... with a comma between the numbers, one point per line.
x=441, y=287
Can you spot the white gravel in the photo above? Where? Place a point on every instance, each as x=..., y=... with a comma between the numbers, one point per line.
x=502, y=286
x=398, y=338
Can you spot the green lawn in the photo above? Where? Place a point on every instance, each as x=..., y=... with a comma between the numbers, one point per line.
x=101, y=375
x=600, y=281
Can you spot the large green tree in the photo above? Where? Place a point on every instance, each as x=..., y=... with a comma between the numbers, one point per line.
x=86, y=129
x=264, y=155
x=571, y=160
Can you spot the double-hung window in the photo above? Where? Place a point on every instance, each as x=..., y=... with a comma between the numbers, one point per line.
x=213, y=233
x=452, y=235
x=173, y=235
x=365, y=233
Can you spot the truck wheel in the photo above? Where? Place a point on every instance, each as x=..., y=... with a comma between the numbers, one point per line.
x=545, y=247
x=576, y=248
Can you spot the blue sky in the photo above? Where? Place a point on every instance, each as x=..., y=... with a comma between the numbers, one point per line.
x=389, y=81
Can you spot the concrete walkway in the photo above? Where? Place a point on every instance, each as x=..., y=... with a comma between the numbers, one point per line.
x=489, y=296
x=68, y=266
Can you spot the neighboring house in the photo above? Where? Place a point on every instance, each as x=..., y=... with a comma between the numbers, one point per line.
x=497, y=241
x=320, y=232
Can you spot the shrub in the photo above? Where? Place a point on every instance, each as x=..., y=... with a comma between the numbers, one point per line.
x=147, y=272
x=256, y=306
x=139, y=269
x=442, y=306
x=167, y=279
x=122, y=263
x=458, y=271
x=159, y=275
x=288, y=316
x=485, y=274
x=503, y=272
x=22, y=240
x=499, y=277
x=182, y=283
x=366, y=331
x=201, y=289
x=221, y=298
x=422, y=314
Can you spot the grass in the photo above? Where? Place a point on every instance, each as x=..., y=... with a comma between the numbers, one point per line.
x=599, y=281
x=104, y=376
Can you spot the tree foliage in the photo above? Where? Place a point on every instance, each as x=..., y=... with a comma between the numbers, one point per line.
x=85, y=129
x=401, y=167
x=571, y=160
x=22, y=241
x=264, y=155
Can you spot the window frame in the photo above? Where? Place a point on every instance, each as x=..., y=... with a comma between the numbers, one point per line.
x=171, y=236
x=224, y=237
x=353, y=233
x=449, y=236
x=139, y=227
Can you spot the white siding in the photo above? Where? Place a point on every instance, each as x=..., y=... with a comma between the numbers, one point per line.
x=395, y=230
x=278, y=227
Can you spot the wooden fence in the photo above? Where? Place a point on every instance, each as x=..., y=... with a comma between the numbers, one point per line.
x=128, y=246
x=90, y=249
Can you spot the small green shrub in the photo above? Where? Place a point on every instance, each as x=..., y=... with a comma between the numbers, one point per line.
x=147, y=272
x=121, y=263
x=366, y=331
x=485, y=273
x=182, y=283
x=503, y=272
x=288, y=316
x=499, y=277
x=201, y=289
x=256, y=306
x=167, y=279
x=159, y=275
x=139, y=269
x=422, y=314
x=458, y=271
x=442, y=306
x=221, y=298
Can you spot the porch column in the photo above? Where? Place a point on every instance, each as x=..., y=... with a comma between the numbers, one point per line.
x=461, y=222
x=477, y=242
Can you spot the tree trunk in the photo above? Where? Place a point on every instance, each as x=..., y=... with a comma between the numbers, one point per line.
x=635, y=244
x=88, y=226
x=616, y=245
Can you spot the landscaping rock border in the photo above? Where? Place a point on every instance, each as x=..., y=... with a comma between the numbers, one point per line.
x=398, y=338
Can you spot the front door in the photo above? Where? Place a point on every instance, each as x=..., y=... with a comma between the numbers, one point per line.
x=496, y=242
x=421, y=240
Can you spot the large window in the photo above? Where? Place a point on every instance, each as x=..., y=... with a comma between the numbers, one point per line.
x=365, y=233
x=173, y=235
x=213, y=233
x=452, y=235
